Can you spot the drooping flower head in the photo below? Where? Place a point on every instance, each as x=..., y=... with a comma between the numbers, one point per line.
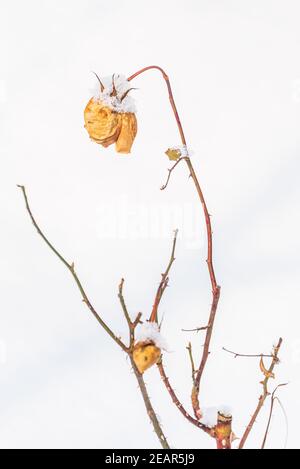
x=110, y=114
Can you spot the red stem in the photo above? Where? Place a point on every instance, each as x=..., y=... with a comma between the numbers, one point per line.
x=166, y=78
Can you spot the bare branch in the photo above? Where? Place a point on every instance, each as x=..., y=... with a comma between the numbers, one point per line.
x=205, y=353
x=209, y=260
x=271, y=412
x=170, y=173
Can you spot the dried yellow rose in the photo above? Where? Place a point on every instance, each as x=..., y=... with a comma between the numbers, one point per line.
x=106, y=121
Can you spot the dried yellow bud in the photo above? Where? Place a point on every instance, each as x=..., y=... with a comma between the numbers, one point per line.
x=145, y=355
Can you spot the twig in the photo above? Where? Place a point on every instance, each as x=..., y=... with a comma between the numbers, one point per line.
x=270, y=415
x=160, y=365
x=263, y=396
x=170, y=173
x=246, y=355
x=71, y=269
x=178, y=404
x=215, y=286
x=166, y=78
x=164, y=281
x=189, y=349
x=197, y=329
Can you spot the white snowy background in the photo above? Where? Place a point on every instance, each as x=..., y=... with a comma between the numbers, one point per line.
x=235, y=70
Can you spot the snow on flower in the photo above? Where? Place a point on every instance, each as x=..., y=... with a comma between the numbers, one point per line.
x=115, y=102
x=210, y=414
x=150, y=331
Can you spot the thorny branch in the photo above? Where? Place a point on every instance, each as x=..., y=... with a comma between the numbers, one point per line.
x=165, y=379
x=264, y=394
x=150, y=411
x=132, y=325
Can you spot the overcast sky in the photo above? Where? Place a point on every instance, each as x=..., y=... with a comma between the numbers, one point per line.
x=235, y=71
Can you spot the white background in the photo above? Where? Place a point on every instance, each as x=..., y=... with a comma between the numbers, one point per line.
x=234, y=67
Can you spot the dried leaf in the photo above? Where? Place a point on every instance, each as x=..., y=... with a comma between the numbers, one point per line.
x=145, y=355
x=233, y=437
x=263, y=369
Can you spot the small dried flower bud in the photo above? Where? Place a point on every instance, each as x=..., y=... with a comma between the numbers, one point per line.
x=145, y=355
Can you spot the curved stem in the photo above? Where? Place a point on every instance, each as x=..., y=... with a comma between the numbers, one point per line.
x=214, y=285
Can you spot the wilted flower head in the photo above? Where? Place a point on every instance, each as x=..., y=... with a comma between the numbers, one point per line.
x=110, y=114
